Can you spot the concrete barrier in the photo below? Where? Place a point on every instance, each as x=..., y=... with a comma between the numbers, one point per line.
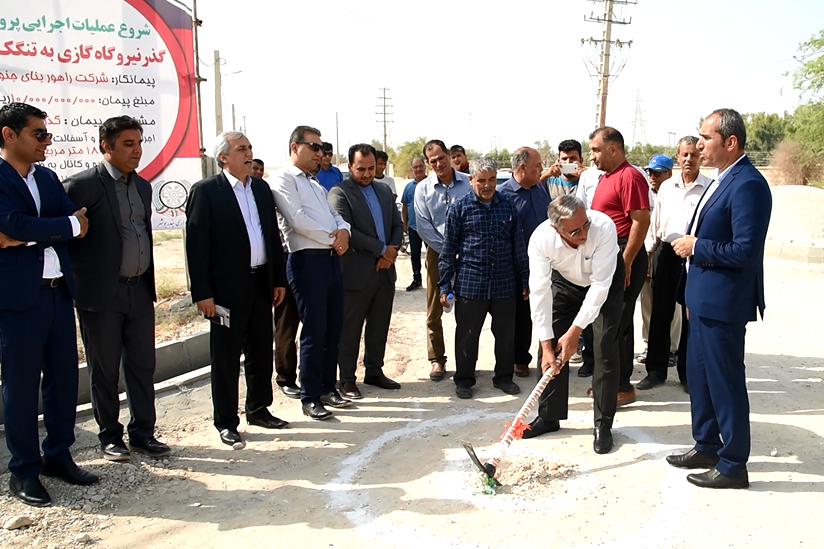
x=174, y=358
x=802, y=251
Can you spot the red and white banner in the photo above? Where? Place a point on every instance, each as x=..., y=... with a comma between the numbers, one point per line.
x=88, y=60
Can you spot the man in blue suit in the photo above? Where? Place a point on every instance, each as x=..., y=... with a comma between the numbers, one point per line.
x=37, y=330
x=722, y=288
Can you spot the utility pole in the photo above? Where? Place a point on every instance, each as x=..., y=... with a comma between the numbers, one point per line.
x=671, y=139
x=639, y=135
x=243, y=129
x=337, y=136
x=383, y=113
x=234, y=129
x=605, y=44
x=218, y=99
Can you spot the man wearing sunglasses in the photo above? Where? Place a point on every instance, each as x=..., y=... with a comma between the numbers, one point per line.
x=315, y=236
x=576, y=277
x=37, y=330
x=328, y=175
x=433, y=197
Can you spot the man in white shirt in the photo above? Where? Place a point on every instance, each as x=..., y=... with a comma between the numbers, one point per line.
x=674, y=206
x=576, y=276
x=381, y=160
x=315, y=236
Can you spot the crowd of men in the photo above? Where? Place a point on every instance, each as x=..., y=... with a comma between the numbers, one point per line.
x=562, y=251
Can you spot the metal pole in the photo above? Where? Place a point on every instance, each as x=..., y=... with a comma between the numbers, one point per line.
x=234, y=128
x=218, y=99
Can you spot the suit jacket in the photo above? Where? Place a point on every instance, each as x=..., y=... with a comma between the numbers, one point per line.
x=217, y=244
x=726, y=271
x=96, y=258
x=21, y=267
x=358, y=263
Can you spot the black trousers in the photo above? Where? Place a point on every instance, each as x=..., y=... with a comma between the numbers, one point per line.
x=567, y=299
x=287, y=322
x=666, y=272
x=415, y=247
x=123, y=335
x=470, y=315
x=626, y=332
x=372, y=305
x=251, y=333
x=523, y=329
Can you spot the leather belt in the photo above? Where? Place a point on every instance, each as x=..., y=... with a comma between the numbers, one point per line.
x=130, y=279
x=257, y=269
x=317, y=251
x=52, y=282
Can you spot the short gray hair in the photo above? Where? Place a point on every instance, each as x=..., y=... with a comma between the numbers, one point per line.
x=521, y=156
x=564, y=207
x=730, y=122
x=222, y=144
x=482, y=164
x=411, y=162
x=688, y=139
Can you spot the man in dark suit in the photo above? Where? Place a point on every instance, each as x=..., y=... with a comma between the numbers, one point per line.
x=722, y=288
x=236, y=262
x=115, y=306
x=37, y=334
x=368, y=269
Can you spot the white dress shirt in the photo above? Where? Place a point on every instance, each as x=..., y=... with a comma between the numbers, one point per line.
x=251, y=218
x=51, y=262
x=305, y=217
x=591, y=264
x=674, y=206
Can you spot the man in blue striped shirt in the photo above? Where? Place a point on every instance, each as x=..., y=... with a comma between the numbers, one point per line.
x=484, y=249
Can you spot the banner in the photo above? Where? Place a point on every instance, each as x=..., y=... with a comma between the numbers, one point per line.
x=88, y=60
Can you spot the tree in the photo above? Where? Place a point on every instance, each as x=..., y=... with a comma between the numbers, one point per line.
x=640, y=154
x=406, y=153
x=809, y=78
x=546, y=151
x=765, y=131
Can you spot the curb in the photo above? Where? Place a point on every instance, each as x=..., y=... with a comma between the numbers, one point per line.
x=174, y=358
x=802, y=251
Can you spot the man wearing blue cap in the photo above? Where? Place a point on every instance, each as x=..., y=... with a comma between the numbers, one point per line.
x=658, y=171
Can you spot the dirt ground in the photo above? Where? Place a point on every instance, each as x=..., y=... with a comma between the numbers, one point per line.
x=390, y=472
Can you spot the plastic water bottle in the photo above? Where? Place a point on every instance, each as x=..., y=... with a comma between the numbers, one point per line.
x=450, y=298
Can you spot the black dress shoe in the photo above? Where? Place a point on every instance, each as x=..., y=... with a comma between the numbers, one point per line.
x=151, y=447
x=685, y=386
x=585, y=370
x=652, y=380
x=602, y=443
x=692, y=460
x=463, y=391
x=30, y=491
x=290, y=391
x=540, y=426
x=232, y=438
x=315, y=410
x=350, y=390
x=507, y=386
x=714, y=479
x=382, y=382
x=334, y=400
x=115, y=451
x=266, y=420
x=70, y=472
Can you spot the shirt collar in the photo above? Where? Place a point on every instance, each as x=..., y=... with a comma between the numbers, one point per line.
x=494, y=200
x=718, y=176
x=294, y=170
x=454, y=179
x=114, y=172
x=700, y=181
x=234, y=181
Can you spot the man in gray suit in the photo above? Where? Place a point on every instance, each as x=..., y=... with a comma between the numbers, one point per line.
x=368, y=269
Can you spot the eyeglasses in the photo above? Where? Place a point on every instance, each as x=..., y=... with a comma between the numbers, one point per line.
x=317, y=147
x=41, y=135
x=656, y=173
x=584, y=227
x=327, y=153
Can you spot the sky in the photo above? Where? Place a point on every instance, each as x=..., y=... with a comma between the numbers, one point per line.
x=492, y=74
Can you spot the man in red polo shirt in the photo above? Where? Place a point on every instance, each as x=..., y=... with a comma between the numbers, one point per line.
x=623, y=194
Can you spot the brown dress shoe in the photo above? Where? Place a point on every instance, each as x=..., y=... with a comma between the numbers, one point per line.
x=626, y=397
x=438, y=371
x=522, y=370
x=349, y=390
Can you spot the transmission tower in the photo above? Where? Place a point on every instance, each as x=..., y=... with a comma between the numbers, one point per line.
x=607, y=68
x=639, y=135
x=383, y=113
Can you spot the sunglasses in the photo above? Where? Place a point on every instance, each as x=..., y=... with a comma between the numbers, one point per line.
x=41, y=135
x=327, y=153
x=656, y=173
x=584, y=227
x=316, y=147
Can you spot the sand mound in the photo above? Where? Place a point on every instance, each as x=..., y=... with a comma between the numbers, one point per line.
x=532, y=476
x=797, y=214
